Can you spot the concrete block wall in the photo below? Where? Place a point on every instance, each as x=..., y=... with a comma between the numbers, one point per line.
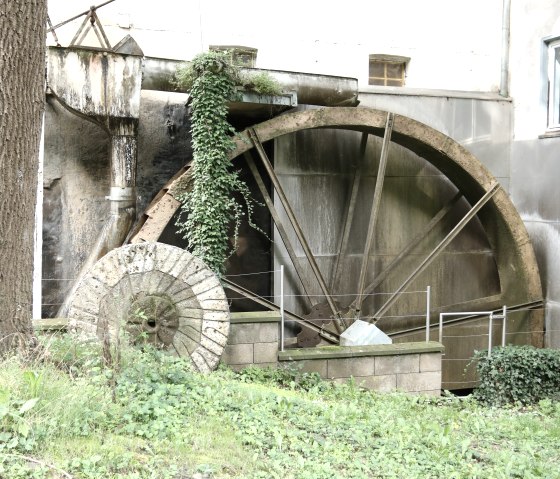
x=253, y=340
x=408, y=367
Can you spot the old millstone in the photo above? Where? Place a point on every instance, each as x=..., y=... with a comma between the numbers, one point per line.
x=154, y=293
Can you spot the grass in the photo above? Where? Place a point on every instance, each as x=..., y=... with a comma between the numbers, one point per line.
x=61, y=417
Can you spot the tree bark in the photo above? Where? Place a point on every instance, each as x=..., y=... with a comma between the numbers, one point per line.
x=22, y=98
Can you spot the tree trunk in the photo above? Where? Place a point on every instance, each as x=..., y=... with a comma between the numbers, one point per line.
x=22, y=98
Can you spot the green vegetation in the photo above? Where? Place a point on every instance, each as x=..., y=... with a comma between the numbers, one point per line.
x=65, y=415
x=210, y=207
x=518, y=374
x=261, y=83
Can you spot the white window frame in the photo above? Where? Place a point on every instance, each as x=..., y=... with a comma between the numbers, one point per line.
x=553, y=68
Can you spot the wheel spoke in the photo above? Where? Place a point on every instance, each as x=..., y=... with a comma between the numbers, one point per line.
x=374, y=209
x=295, y=225
x=438, y=249
x=280, y=226
x=408, y=248
x=487, y=303
x=330, y=336
x=349, y=217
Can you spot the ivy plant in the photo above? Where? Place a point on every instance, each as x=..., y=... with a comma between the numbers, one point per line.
x=518, y=374
x=209, y=207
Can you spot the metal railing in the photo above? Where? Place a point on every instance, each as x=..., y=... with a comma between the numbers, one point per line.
x=491, y=316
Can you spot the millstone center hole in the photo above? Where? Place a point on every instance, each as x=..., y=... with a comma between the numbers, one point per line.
x=153, y=318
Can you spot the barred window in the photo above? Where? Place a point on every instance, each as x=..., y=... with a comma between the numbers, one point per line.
x=387, y=70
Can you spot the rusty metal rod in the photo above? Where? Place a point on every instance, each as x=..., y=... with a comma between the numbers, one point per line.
x=49, y=23
x=100, y=28
x=374, y=210
x=435, y=252
x=283, y=234
x=330, y=336
x=299, y=233
x=58, y=25
x=408, y=248
x=81, y=33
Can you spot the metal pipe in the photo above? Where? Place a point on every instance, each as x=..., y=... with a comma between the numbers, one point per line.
x=504, y=78
x=490, y=334
x=428, y=313
x=122, y=198
x=312, y=89
x=459, y=313
x=504, y=314
x=282, y=307
x=531, y=306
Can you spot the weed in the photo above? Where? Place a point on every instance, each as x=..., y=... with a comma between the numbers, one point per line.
x=169, y=422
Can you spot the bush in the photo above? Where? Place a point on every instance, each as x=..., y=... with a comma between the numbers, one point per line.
x=284, y=377
x=518, y=374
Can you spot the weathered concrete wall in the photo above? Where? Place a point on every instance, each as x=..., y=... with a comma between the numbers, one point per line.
x=535, y=166
x=482, y=123
x=77, y=180
x=411, y=367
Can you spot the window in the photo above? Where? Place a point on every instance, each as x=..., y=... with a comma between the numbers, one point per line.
x=554, y=84
x=240, y=56
x=387, y=70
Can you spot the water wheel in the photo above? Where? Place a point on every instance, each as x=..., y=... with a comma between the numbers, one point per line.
x=333, y=276
x=154, y=293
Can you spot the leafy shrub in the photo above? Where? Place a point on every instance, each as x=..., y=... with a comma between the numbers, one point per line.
x=153, y=390
x=284, y=377
x=518, y=374
x=261, y=83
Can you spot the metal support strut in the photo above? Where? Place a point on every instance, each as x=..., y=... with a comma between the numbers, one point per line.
x=295, y=225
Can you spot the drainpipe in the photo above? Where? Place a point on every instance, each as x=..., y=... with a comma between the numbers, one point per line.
x=504, y=79
x=38, y=246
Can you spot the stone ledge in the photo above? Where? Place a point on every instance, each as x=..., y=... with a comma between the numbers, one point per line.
x=50, y=324
x=331, y=352
x=251, y=317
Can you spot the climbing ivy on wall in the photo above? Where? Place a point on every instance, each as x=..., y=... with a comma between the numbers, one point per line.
x=209, y=207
